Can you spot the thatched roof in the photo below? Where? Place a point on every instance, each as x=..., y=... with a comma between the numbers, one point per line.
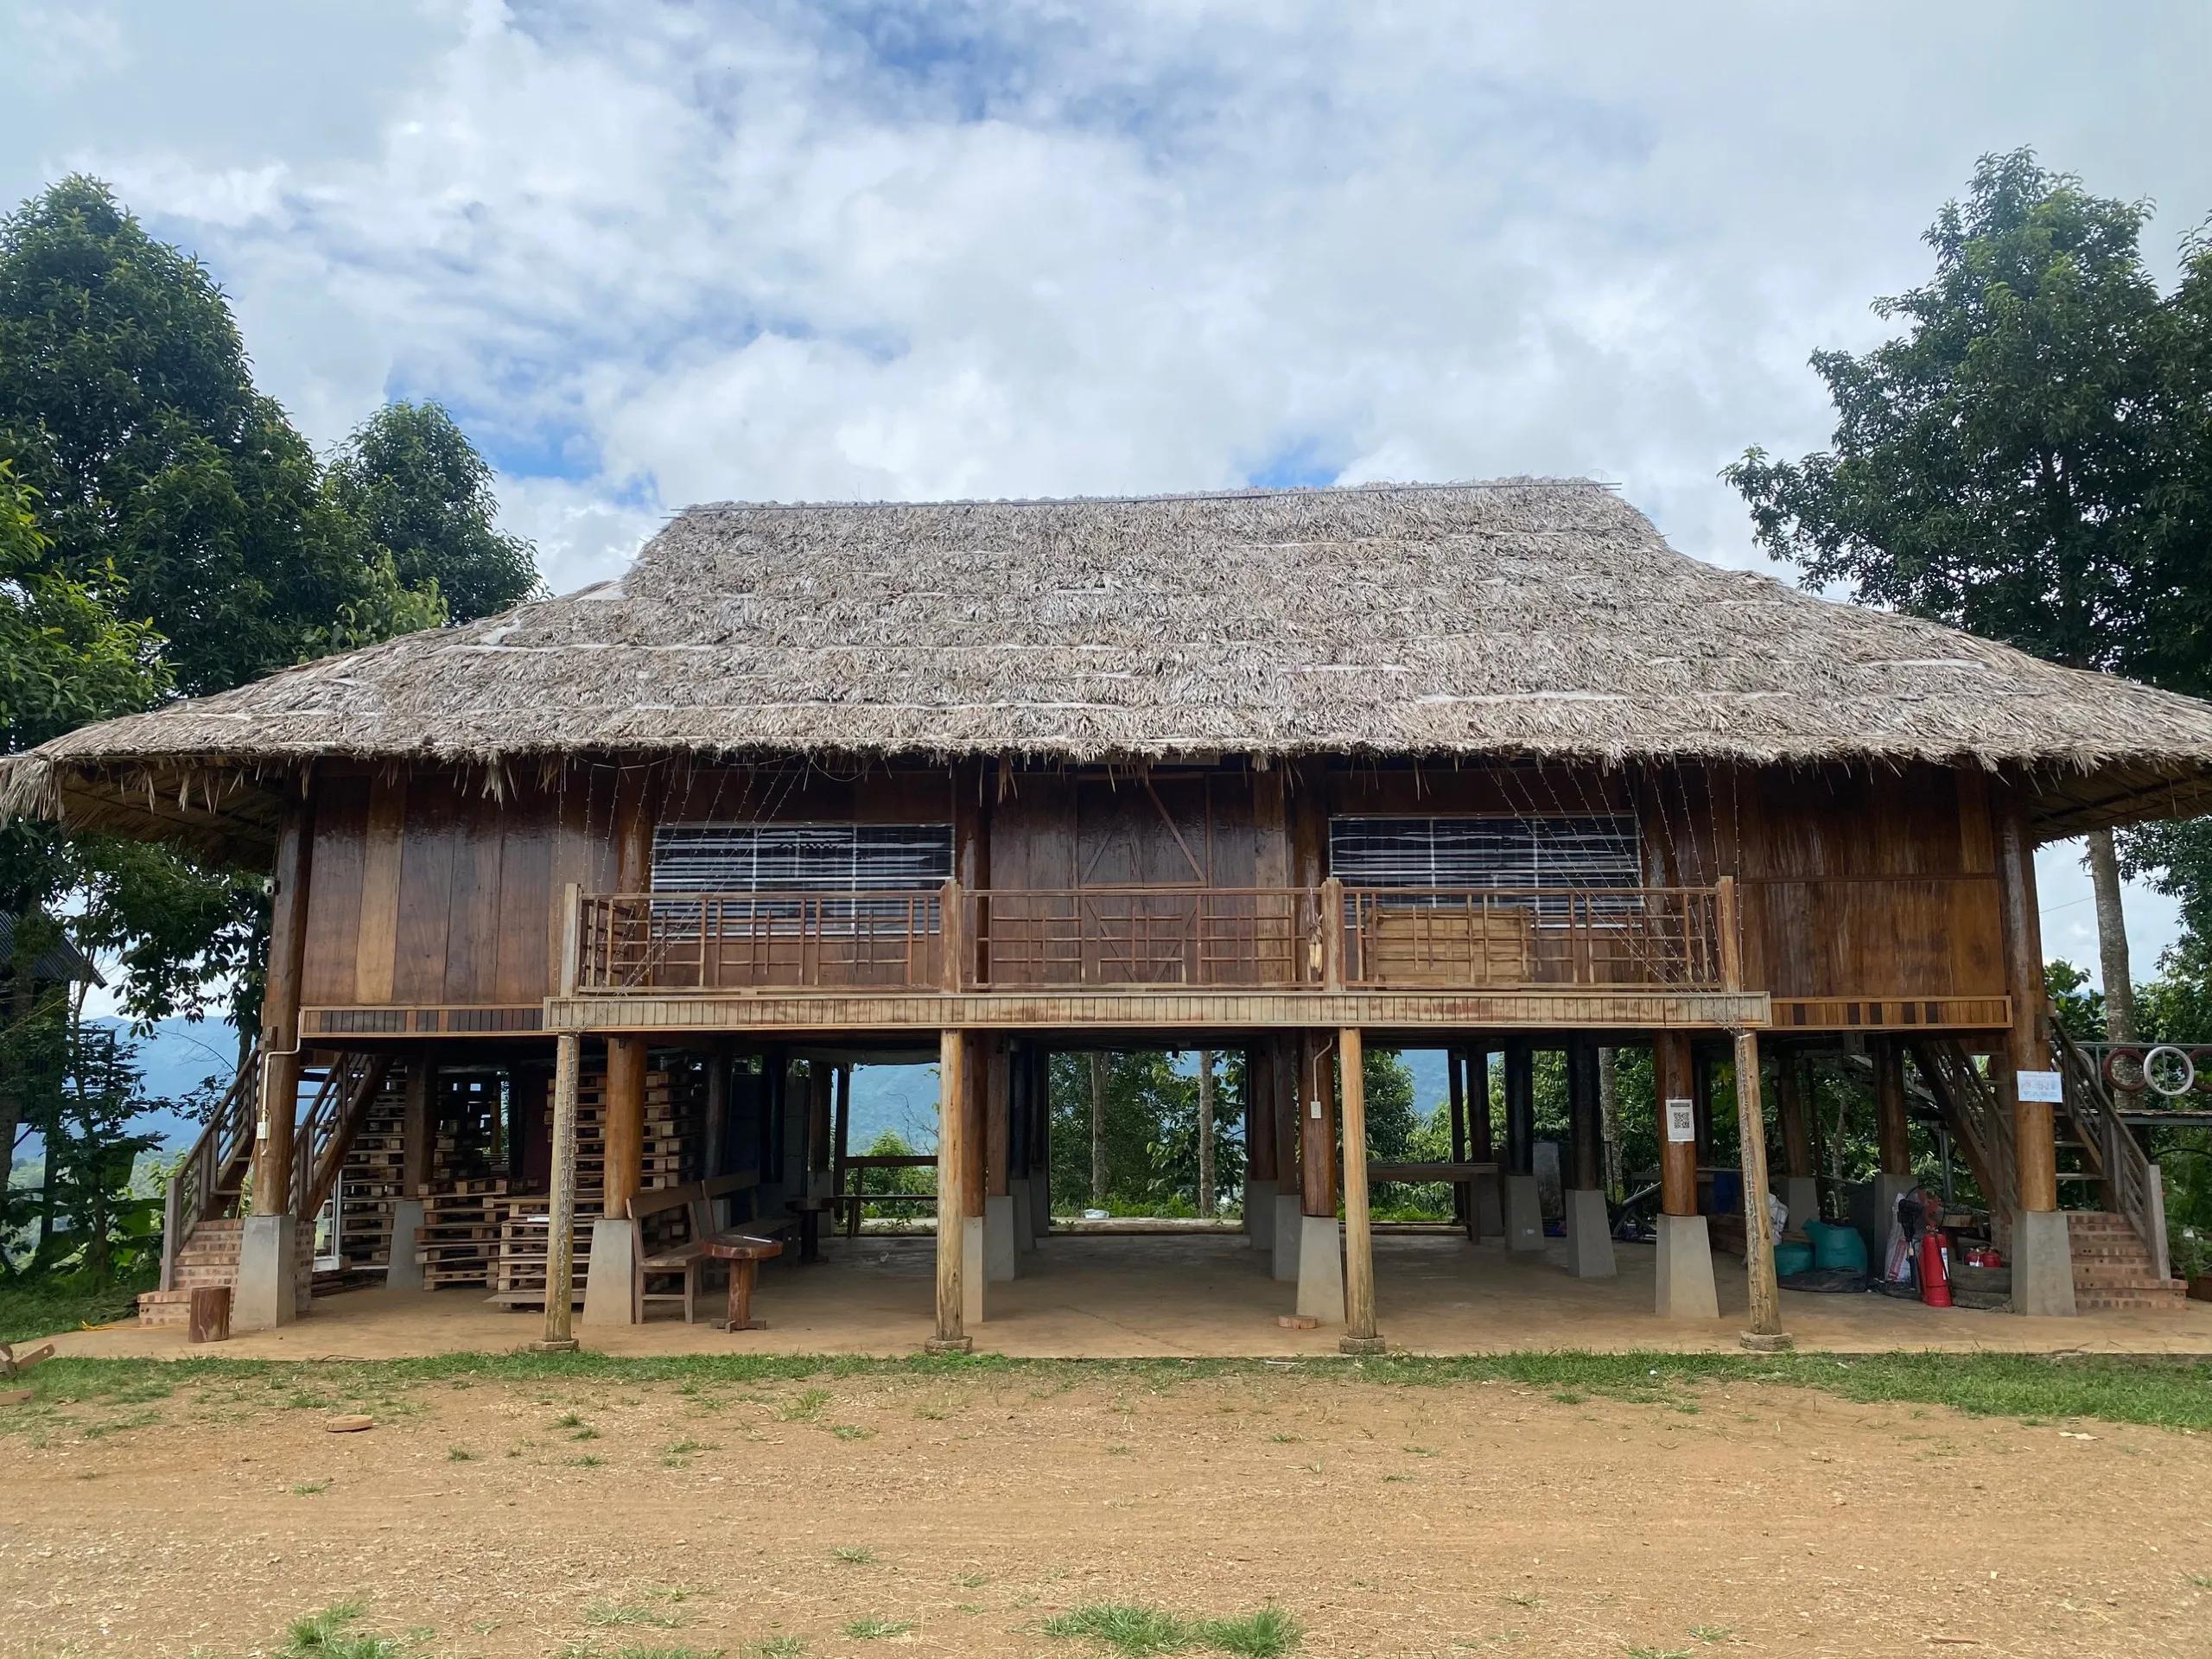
x=1524, y=618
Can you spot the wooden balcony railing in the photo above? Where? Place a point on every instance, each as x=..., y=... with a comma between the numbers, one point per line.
x=1329, y=938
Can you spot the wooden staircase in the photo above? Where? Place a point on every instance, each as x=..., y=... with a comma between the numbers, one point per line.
x=2120, y=1253
x=204, y=1220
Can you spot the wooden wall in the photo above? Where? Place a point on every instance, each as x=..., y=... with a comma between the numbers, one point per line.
x=422, y=894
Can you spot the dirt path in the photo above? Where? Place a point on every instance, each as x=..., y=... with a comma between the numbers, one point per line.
x=502, y=1518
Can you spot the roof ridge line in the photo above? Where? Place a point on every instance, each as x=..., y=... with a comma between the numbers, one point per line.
x=1255, y=493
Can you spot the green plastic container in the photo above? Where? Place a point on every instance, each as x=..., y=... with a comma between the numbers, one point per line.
x=1836, y=1247
x=1790, y=1258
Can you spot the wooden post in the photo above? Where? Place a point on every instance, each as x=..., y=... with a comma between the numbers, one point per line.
x=418, y=1123
x=996, y=1076
x=1893, y=1130
x=1701, y=1081
x=952, y=924
x=1789, y=1108
x=1670, y=1070
x=280, y=1016
x=561, y=1222
x=1259, y=1135
x=1588, y=1174
x=1332, y=935
x=2026, y=1046
x=1359, y=1336
x=626, y=1122
x=1520, y=1107
x=1766, y=1334
x=1455, y=1077
x=952, y=1194
x=842, y=1139
x=1730, y=941
x=1208, y=1199
x=1480, y=1148
x=1317, y=1127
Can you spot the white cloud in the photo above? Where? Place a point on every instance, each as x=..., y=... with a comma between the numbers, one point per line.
x=653, y=252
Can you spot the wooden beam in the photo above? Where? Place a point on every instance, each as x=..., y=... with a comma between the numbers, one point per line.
x=2027, y=1048
x=1480, y=1148
x=998, y=1118
x=561, y=1228
x=418, y=1123
x=1671, y=1073
x=1587, y=1173
x=1766, y=1331
x=1359, y=1336
x=1260, y=1136
x=952, y=1195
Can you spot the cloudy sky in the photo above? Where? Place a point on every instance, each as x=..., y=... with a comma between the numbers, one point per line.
x=652, y=253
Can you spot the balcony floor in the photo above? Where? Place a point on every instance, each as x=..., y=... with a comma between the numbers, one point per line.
x=1191, y=1295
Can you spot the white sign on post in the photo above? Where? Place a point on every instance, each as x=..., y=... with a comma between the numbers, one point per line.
x=1681, y=1121
x=2040, y=1086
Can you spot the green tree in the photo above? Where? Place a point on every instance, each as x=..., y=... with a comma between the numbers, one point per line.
x=2014, y=463
x=412, y=478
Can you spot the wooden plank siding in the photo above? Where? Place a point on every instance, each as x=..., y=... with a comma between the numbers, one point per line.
x=1867, y=899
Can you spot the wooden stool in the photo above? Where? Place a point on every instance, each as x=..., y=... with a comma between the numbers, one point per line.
x=208, y=1316
x=745, y=1253
x=809, y=1212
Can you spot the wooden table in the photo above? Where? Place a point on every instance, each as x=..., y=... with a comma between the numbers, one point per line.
x=809, y=1212
x=745, y=1253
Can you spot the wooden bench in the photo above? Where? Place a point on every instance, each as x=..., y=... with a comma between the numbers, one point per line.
x=684, y=1259
x=1461, y=1176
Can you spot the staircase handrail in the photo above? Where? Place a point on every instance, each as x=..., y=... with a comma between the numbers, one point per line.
x=2132, y=1184
x=1979, y=1121
x=196, y=1182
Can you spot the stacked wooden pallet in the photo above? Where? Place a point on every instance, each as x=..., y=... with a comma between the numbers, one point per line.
x=672, y=1105
x=460, y=1239
x=375, y=1167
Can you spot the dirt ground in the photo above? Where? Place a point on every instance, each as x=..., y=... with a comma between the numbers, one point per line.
x=961, y=1511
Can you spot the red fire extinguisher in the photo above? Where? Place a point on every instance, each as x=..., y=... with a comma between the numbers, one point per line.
x=1934, y=1269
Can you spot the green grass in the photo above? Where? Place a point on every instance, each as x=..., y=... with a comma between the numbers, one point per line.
x=2156, y=1392
x=618, y=1615
x=775, y=1647
x=853, y=1555
x=330, y=1634
x=876, y=1629
x=48, y=1304
x=1136, y=1630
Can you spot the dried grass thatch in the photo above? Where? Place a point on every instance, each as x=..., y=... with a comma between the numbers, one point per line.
x=1521, y=618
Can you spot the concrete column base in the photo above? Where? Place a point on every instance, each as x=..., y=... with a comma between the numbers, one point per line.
x=2043, y=1263
x=267, y=1292
x=614, y=1264
x=1288, y=1221
x=402, y=1271
x=1589, y=1235
x=1801, y=1196
x=1524, y=1214
x=1489, y=1206
x=973, y=1270
x=1260, y=1215
x=1685, y=1287
x=998, y=1237
x=1024, y=1229
x=1321, y=1268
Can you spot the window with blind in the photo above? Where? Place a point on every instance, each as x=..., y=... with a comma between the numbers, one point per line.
x=1577, y=854
x=840, y=863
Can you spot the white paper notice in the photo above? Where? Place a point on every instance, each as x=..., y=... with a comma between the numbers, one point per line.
x=1681, y=1121
x=2040, y=1086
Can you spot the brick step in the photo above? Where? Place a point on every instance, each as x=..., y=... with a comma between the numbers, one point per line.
x=2130, y=1301
x=164, y=1307
x=2100, y=1280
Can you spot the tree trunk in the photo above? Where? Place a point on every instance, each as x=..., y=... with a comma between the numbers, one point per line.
x=1098, y=1130
x=2111, y=938
x=1609, y=1117
x=1205, y=1132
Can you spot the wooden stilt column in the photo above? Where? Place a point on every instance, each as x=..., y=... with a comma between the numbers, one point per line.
x=1702, y=1066
x=998, y=1120
x=1765, y=1333
x=1317, y=1127
x=952, y=1170
x=1260, y=1133
x=1520, y=1108
x=1359, y=1336
x=1671, y=1073
x=626, y=1122
x=2043, y=1261
x=280, y=1016
x=1893, y=1130
x=1455, y=1075
x=1480, y=1148
x=1789, y=1109
x=561, y=1230
x=418, y=1123
x=1588, y=1171
x=1289, y=1106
